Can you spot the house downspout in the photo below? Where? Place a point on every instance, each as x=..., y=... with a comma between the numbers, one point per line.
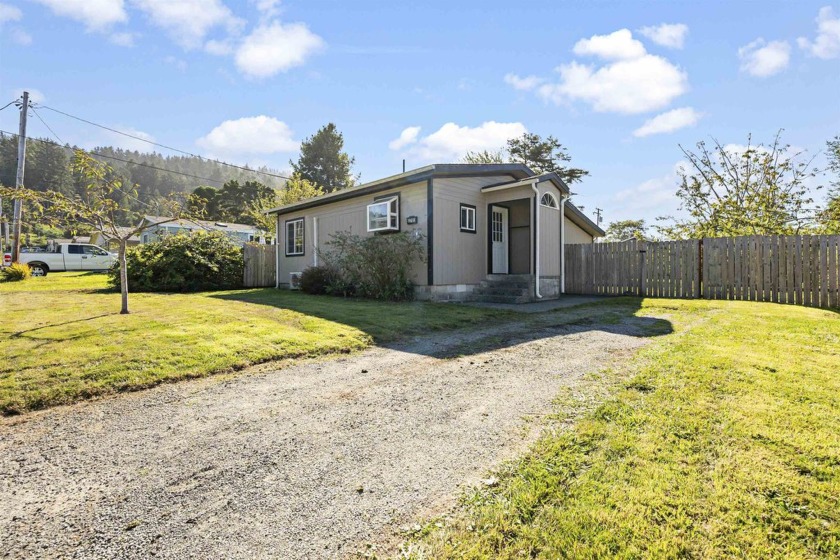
x=277, y=252
x=563, y=200
x=315, y=241
x=537, y=244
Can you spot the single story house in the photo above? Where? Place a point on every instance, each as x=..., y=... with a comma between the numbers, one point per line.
x=110, y=243
x=487, y=227
x=156, y=226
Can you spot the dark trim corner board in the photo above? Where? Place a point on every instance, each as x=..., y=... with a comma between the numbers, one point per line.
x=430, y=232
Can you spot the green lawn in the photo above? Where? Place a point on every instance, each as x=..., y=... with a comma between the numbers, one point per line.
x=63, y=339
x=720, y=440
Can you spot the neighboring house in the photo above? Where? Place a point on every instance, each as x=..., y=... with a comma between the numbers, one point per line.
x=84, y=239
x=111, y=243
x=485, y=225
x=156, y=226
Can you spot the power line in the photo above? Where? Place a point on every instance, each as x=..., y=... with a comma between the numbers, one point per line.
x=45, y=124
x=140, y=138
x=7, y=104
x=122, y=160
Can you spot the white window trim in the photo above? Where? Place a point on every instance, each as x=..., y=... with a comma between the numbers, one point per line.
x=390, y=214
x=294, y=237
x=553, y=198
x=469, y=209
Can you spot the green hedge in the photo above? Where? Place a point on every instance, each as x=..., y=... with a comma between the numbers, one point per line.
x=200, y=261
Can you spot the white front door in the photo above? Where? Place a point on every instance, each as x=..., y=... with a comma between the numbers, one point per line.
x=499, y=239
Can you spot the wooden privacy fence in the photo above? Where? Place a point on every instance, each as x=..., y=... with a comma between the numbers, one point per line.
x=259, y=265
x=797, y=269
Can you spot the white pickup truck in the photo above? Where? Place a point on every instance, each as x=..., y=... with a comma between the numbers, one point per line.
x=69, y=256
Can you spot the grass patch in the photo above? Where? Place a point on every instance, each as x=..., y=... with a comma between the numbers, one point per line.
x=63, y=339
x=721, y=440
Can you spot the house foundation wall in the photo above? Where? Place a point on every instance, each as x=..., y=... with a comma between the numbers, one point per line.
x=448, y=292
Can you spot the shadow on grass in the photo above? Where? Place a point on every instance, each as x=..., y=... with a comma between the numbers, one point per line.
x=389, y=324
x=19, y=334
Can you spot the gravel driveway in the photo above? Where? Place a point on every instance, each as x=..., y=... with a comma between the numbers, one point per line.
x=311, y=461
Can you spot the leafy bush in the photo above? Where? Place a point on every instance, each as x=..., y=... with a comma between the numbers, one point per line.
x=317, y=279
x=16, y=272
x=377, y=266
x=199, y=261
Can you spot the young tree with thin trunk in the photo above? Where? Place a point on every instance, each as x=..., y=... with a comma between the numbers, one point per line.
x=743, y=190
x=97, y=208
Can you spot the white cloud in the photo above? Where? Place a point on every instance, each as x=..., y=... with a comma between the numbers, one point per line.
x=123, y=39
x=21, y=37
x=97, y=15
x=189, y=21
x=619, y=45
x=119, y=141
x=763, y=59
x=276, y=47
x=671, y=35
x=668, y=122
x=9, y=13
x=407, y=136
x=827, y=43
x=176, y=62
x=632, y=86
x=35, y=96
x=451, y=142
x=243, y=139
x=523, y=84
x=631, y=81
x=648, y=200
x=268, y=8
x=219, y=48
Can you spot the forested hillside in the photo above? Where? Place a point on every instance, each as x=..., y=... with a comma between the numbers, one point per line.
x=48, y=168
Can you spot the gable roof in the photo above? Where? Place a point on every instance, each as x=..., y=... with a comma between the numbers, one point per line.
x=201, y=224
x=517, y=171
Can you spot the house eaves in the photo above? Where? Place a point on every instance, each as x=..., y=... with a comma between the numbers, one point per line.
x=439, y=170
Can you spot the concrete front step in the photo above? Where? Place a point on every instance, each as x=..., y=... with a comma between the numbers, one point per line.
x=504, y=288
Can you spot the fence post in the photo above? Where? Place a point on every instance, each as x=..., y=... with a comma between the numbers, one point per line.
x=700, y=279
x=642, y=270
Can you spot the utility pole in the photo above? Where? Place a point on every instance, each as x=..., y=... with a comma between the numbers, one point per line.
x=598, y=218
x=21, y=164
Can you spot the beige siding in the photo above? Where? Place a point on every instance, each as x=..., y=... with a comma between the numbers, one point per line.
x=549, y=233
x=460, y=258
x=574, y=233
x=351, y=215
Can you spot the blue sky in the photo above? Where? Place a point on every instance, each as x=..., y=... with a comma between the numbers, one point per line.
x=245, y=81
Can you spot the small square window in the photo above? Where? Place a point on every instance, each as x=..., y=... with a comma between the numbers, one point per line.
x=384, y=215
x=294, y=238
x=468, y=218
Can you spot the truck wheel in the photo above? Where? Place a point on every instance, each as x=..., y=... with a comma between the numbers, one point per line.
x=38, y=269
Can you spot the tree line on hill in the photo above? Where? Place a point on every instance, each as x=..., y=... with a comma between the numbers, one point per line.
x=756, y=189
x=211, y=189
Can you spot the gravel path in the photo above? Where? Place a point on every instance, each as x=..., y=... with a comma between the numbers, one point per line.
x=311, y=461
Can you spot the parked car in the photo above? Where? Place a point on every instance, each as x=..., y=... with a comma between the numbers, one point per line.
x=67, y=256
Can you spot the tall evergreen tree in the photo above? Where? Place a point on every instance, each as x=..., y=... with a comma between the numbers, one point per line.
x=541, y=155
x=323, y=162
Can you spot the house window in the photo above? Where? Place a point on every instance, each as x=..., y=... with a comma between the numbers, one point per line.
x=468, y=218
x=384, y=215
x=497, y=227
x=294, y=238
x=549, y=201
